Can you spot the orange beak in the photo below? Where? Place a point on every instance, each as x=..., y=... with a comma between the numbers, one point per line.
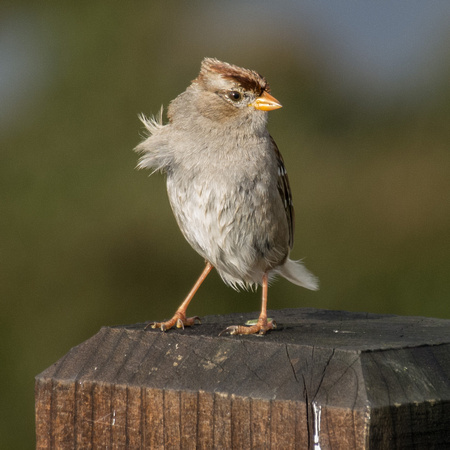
x=266, y=102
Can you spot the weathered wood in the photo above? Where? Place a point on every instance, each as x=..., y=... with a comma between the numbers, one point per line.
x=323, y=379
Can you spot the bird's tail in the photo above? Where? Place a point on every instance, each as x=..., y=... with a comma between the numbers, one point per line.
x=297, y=273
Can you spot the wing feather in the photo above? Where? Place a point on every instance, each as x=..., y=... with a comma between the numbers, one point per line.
x=285, y=192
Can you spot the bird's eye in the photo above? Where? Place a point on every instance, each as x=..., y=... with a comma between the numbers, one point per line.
x=234, y=95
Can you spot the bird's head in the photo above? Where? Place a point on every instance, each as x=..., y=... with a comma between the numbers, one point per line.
x=225, y=93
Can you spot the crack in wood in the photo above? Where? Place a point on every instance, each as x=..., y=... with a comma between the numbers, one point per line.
x=323, y=373
x=290, y=362
x=308, y=421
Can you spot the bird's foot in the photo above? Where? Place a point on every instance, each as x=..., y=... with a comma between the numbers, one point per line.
x=179, y=320
x=260, y=327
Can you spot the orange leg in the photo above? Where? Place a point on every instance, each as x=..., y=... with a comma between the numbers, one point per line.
x=262, y=326
x=179, y=318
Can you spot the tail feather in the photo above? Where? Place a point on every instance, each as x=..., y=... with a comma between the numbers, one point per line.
x=297, y=273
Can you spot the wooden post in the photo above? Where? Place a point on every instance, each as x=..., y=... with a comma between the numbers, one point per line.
x=322, y=380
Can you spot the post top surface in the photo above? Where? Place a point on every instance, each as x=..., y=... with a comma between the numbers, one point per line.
x=351, y=331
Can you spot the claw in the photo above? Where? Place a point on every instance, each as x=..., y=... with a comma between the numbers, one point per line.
x=195, y=318
x=232, y=330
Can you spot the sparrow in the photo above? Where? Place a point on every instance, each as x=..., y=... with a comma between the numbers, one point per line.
x=227, y=184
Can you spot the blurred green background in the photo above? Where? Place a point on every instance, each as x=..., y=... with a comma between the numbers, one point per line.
x=87, y=241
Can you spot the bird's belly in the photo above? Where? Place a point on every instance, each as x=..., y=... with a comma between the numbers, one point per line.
x=231, y=227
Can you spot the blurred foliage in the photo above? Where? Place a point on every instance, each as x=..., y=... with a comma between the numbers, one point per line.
x=86, y=241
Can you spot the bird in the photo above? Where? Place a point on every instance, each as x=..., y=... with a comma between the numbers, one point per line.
x=227, y=184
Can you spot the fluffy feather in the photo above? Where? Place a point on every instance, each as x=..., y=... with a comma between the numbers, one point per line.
x=297, y=273
x=155, y=150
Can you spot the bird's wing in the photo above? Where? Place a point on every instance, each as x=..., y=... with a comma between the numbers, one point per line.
x=285, y=192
